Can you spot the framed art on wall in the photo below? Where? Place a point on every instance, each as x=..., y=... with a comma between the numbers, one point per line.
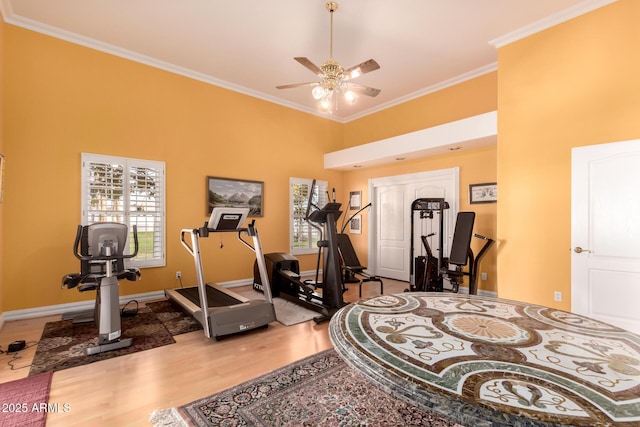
x=483, y=193
x=236, y=193
x=355, y=225
x=355, y=200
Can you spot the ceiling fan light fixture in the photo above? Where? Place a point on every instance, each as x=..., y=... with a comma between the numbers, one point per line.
x=334, y=78
x=318, y=92
x=350, y=97
x=326, y=103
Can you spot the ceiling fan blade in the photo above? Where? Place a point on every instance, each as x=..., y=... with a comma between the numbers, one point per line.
x=297, y=85
x=363, y=90
x=360, y=69
x=310, y=65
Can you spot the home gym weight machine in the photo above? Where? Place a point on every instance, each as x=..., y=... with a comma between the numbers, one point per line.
x=283, y=269
x=219, y=310
x=100, y=249
x=430, y=270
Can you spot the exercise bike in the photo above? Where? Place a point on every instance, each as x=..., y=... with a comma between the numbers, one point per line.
x=100, y=249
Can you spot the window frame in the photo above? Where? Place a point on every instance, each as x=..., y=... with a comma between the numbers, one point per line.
x=321, y=191
x=128, y=164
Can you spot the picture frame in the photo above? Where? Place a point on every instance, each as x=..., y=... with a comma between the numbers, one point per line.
x=355, y=225
x=236, y=193
x=355, y=200
x=486, y=192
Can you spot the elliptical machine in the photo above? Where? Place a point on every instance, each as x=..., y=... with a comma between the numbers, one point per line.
x=283, y=269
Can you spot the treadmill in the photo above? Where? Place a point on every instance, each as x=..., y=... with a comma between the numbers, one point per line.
x=226, y=312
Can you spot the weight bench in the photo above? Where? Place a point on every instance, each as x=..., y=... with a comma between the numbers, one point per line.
x=100, y=249
x=460, y=249
x=461, y=253
x=351, y=264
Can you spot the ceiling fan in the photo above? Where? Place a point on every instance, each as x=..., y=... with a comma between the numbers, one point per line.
x=334, y=78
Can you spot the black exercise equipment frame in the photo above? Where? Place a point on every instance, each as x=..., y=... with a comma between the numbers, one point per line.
x=427, y=207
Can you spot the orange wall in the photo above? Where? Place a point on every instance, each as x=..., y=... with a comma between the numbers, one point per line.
x=464, y=100
x=63, y=99
x=572, y=85
x=1, y=151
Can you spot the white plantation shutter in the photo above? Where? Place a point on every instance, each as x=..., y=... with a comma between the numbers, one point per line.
x=129, y=191
x=304, y=238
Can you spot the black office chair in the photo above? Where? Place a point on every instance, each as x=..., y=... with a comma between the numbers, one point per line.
x=100, y=249
x=351, y=264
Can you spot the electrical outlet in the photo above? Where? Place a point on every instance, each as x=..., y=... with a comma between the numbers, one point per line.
x=557, y=296
x=178, y=274
x=484, y=276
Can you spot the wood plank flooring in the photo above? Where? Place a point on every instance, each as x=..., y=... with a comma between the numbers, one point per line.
x=125, y=390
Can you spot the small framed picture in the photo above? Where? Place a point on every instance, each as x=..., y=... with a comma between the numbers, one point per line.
x=483, y=193
x=355, y=225
x=355, y=200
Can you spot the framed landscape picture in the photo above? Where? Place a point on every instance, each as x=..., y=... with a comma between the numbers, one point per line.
x=235, y=193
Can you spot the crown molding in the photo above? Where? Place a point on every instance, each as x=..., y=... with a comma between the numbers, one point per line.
x=38, y=27
x=11, y=18
x=426, y=91
x=550, y=21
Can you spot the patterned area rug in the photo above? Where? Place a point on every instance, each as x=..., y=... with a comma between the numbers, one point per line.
x=62, y=343
x=317, y=391
x=24, y=402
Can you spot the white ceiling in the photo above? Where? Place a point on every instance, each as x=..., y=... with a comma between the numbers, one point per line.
x=249, y=45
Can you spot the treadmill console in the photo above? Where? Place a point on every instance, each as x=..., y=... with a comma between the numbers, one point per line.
x=227, y=219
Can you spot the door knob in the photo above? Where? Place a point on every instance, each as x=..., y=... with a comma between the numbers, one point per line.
x=579, y=250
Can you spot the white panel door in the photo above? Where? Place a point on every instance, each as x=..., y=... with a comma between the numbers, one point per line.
x=392, y=230
x=390, y=225
x=605, y=233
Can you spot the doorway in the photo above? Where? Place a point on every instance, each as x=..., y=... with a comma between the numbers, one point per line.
x=390, y=217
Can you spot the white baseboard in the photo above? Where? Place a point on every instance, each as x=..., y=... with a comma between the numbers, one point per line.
x=50, y=310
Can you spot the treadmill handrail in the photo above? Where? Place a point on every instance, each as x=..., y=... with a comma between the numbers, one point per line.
x=184, y=231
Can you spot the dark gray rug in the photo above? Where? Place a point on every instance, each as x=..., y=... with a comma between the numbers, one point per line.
x=62, y=343
x=173, y=318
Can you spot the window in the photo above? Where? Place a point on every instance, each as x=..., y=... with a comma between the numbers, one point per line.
x=129, y=191
x=303, y=237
